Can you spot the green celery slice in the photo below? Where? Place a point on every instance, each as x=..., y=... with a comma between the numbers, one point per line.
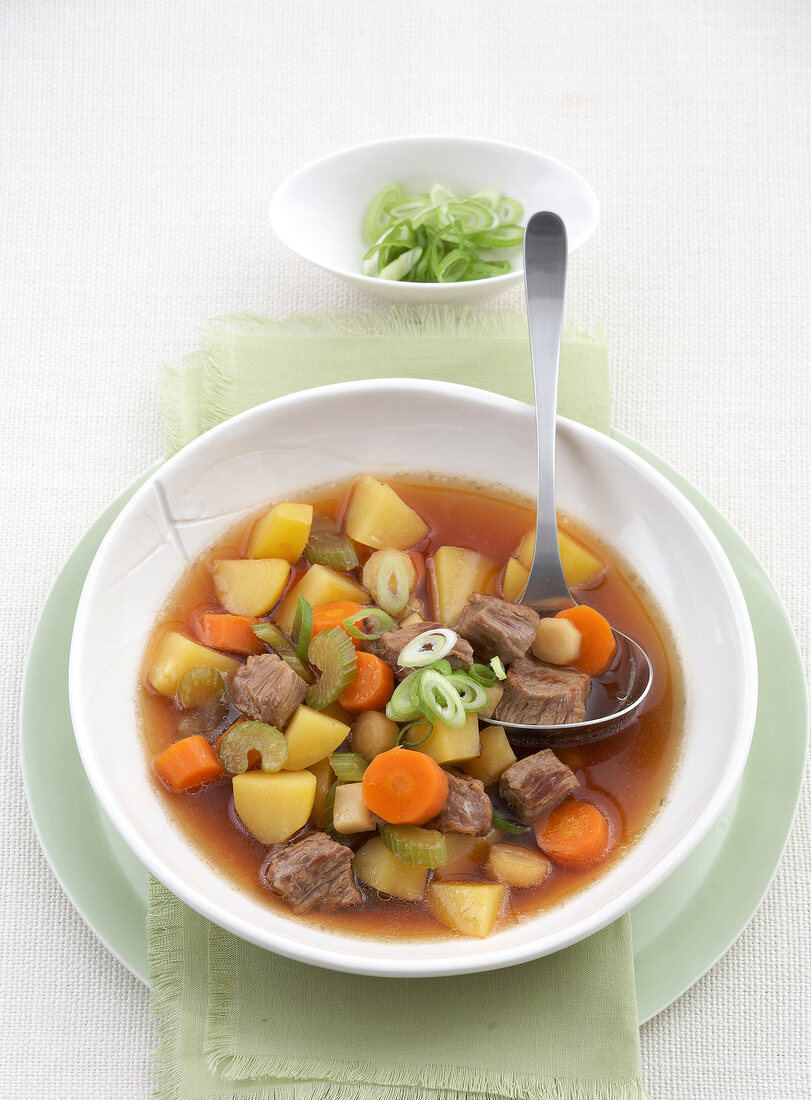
x=332, y=549
x=348, y=766
x=199, y=685
x=242, y=737
x=415, y=846
x=303, y=628
x=333, y=654
x=275, y=637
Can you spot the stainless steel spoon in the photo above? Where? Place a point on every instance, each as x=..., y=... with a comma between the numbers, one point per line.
x=617, y=694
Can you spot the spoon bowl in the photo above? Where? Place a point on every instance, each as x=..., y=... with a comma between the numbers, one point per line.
x=618, y=692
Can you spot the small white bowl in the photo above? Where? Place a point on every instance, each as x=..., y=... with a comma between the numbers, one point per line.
x=318, y=212
x=396, y=428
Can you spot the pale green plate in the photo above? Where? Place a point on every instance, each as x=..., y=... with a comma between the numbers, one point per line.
x=680, y=929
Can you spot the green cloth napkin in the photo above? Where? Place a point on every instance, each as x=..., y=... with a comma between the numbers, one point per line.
x=236, y=1021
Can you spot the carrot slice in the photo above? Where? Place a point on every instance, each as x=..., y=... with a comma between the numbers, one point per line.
x=574, y=835
x=597, y=645
x=230, y=632
x=189, y=763
x=372, y=686
x=405, y=787
x=333, y=614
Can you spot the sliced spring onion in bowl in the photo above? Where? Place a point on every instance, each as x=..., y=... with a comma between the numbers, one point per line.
x=382, y=623
x=428, y=647
x=440, y=700
x=393, y=587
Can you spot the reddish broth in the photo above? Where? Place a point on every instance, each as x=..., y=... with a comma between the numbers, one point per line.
x=626, y=775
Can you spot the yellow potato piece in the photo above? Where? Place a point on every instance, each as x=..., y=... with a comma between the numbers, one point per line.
x=461, y=858
x=324, y=778
x=273, y=807
x=378, y=517
x=580, y=566
x=282, y=533
x=471, y=908
x=248, y=586
x=496, y=756
x=311, y=735
x=447, y=744
x=516, y=866
x=454, y=573
x=319, y=585
x=514, y=580
x=176, y=654
x=379, y=868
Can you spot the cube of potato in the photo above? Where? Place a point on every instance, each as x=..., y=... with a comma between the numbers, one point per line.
x=557, y=641
x=349, y=812
x=378, y=517
x=318, y=585
x=274, y=806
x=514, y=580
x=282, y=533
x=324, y=778
x=496, y=756
x=176, y=654
x=409, y=620
x=311, y=735
x=461, y=859
x=454, y=573
x=248, y=586
x=580, y=566
x=379, y=868
x=447, y=744
x=335, y=710
x=516, y=865
x=471, y=908
x=373, y=733
x=493, y=693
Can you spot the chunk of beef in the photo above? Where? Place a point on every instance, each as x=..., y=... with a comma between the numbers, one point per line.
x=468, y=809
x=536, y=784
x=496, y=628
x=391, y=645
x=267, y=690
x=543, y=695
x=313, y=873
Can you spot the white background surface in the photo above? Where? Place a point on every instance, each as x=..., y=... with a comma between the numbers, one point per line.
x=141, y=142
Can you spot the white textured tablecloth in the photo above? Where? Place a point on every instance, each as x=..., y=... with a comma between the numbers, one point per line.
x=140, y=144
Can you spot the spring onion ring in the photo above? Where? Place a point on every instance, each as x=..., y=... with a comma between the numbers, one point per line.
x=392, y=584
x=409, y=727
x=440, y=700
x=383, y=623
x=473, y=695
x=428, y=647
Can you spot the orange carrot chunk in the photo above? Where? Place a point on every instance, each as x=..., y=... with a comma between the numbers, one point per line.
x=372, y=686
x=188, y=763
x=230, y=632
x=405, y=787
x=574, y=835
x=333, y=614
x=597, y=645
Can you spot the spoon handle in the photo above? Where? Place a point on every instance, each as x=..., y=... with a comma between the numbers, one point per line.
x=545, y=277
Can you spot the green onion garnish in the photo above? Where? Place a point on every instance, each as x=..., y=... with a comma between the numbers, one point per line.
x=507, y=826
x=392, y=584
x=410, y=726
x=438, y=237
x=473, y=695
x=348, y=766
x=273, y=636
x=498, y=667
x=382, y=624
x=244, y=737
x=482, y=674
x=440, y=700
x=428, y=647
x=332, y=652
x=415, y=846
x=400, y=708
x=303, y=628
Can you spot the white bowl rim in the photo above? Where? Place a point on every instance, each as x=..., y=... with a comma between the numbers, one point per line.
x=494, y=281
x=342, y=957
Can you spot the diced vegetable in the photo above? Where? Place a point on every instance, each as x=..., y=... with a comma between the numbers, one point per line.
x=575, y=835
x=514, y=580
x=391, y=577
x=454, y=574
x=275, y=637
x=335, y=710
x=494, y=693
x=415, y=846
x=597, y=642
x=378, y=517
x=496, y=756
x=248, y=586
x=557, y=641
x=329, y=825
x=404, y=787
x=233, y=633
x=414, y=617
x=332, y=549
x=324, y=778
x=302, y=631
x=447, y=745
x=516, y=866
x=372, y=626
x=282, y=533
x=318, y=586
x=471, y=908
x=379, y=868
x=333, y=654
x=198, y=686
x=371, y=687
x=335, y=613
x=580, y=566
x=348, y=766
x=349, y=811
x=311, y=735
x=373, y=733
x=459, y=848
x=428, y=647
x=273, y=807
x=508, y=824
x=245, y=738
x=188, y=763
x=177, y=654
